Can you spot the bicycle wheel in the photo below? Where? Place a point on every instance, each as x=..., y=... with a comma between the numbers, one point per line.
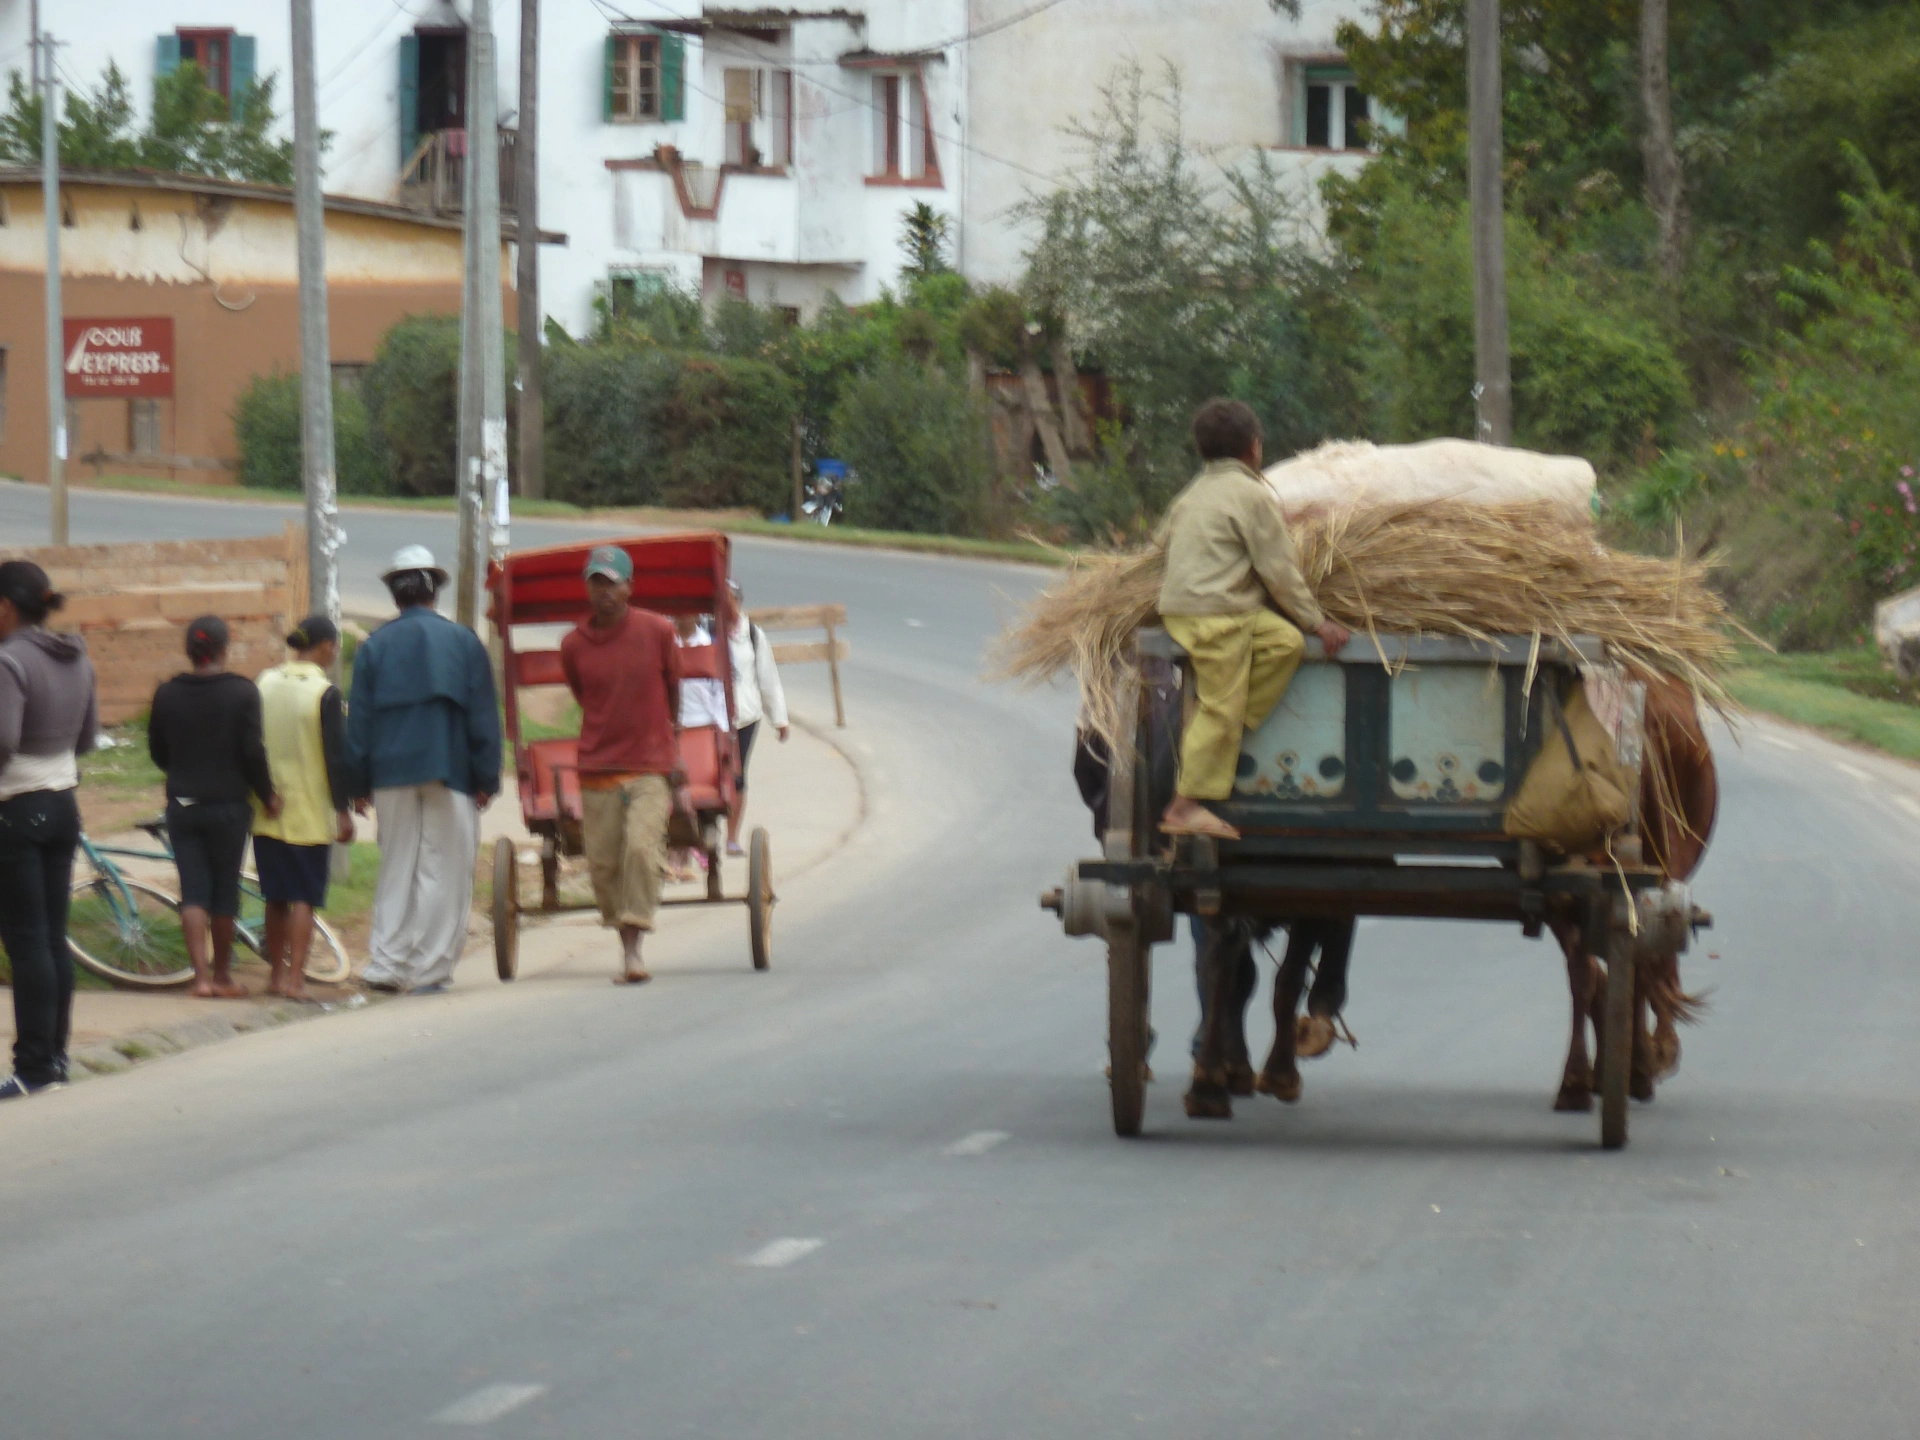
x=327, y=961
x=143, y=946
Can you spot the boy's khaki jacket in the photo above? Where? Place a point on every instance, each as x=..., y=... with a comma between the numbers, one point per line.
x=1228, y=549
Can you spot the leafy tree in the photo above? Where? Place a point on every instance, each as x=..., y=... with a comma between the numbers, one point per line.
x=918, y=441
x=190, y=131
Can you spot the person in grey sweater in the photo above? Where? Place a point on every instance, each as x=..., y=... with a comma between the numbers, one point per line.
x=48, y=716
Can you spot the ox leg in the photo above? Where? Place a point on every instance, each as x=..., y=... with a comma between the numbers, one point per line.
x=1222, y=1026
x=1280, y=1076
x=1583, y=983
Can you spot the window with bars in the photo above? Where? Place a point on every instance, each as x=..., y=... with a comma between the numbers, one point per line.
x=645, y=78
x=143, y=427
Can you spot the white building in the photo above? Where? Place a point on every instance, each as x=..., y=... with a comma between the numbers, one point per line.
x=768, y=153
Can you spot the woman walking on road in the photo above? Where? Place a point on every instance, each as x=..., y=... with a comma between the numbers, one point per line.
x=205, y=734
x=48, y=717
x=304, y=725
x=757, y=694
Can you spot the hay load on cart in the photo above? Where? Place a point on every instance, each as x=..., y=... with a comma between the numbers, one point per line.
x=1485, y=613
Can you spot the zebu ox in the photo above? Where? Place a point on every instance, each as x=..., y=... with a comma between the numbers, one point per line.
x=1679, y=799
x=1678, y=803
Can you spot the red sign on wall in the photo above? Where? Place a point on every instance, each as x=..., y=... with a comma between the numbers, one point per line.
x=119, y=359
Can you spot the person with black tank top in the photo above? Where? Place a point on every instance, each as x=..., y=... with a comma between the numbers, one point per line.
x=48, y=718
x=205, y=733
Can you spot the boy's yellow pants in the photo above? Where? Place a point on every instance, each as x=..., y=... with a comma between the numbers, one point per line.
x=1242, y=665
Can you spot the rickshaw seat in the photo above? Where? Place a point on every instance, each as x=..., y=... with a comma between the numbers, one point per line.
x=708, y=787
x=537, y=667
x=553, y=764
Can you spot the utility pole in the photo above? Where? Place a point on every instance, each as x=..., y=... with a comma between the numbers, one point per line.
x=56, y=366
x=316, y=371
x=526, y=213
x=1493, y=387
x=483, y=384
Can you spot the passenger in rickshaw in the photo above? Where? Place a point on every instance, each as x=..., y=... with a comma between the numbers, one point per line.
x=703, y=702
x=623, y=668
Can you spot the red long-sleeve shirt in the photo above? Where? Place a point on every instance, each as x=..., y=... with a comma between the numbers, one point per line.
x=627, y=679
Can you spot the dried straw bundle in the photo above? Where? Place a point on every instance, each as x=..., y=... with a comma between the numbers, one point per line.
x=1443, y=569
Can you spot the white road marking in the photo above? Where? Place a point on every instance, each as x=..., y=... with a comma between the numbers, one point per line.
x=916, y=624
x=977, y=1143
x=1908, y=804
x=487, y=1404
x=776, y=1253
x=1854, y=770
x=1777, y=742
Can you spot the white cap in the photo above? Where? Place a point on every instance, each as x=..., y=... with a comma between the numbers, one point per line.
x=414, y=557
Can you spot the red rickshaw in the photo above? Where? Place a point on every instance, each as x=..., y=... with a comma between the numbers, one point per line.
x=672, y=575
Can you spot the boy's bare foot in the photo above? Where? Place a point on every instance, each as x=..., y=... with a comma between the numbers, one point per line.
x=202, y=990
x=226, y=988
x=1189, y=817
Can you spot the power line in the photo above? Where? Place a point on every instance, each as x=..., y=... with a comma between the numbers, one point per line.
x=378, y=30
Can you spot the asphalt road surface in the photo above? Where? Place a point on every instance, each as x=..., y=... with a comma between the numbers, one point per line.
x=874, y=1193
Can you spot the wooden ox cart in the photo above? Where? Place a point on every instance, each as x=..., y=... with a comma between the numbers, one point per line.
x=1376, y=788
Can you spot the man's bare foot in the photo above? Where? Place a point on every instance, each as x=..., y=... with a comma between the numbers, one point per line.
x=226, y=988
x=632, y=977
x=1186, y=816
x=202, y=990
x=294, y=992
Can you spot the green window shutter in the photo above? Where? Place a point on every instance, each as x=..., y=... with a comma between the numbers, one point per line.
x=166, y=57
x=409, y=96
x=673, y=72
x=241, y=75
x=606, y=78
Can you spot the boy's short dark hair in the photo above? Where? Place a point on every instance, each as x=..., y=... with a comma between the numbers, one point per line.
x=1225, y=430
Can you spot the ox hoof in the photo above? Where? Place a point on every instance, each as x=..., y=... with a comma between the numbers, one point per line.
x=1239, y=1078
x=1574, y=1097
x=1207, y=1100
x=1282, y=1085
x=1640, y=1087
x=1313, y=1036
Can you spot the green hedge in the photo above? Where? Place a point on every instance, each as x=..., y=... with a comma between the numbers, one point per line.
x=629, y=425
x=266, y=426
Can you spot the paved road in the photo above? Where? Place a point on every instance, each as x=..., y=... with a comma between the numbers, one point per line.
x=874, y=1193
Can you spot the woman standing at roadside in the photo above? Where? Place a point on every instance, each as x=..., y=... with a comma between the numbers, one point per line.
x=48, y=717
x=205, y=734
x=757, y=695
x=304, y=725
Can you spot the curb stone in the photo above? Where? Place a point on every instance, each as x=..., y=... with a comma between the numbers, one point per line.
x=108, y=1057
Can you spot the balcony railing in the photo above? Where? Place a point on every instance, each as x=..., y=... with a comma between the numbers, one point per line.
x=434, y=178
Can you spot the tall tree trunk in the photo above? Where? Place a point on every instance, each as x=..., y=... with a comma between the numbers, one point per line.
x=1666, y=186
x=1043, y=417
x=976, y=374
x=1073, y=409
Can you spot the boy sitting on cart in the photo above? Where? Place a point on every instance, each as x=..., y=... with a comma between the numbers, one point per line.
x=1228, y=555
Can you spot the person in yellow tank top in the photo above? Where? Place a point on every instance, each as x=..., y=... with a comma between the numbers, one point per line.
x=304, y=722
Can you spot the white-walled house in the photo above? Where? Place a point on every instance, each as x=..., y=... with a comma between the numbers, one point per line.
x=765, y=152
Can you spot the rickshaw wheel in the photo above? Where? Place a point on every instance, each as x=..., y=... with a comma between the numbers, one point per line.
x=506, y=909
x=760, y=898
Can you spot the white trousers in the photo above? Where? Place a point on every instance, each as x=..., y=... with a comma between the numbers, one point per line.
x=429, y=840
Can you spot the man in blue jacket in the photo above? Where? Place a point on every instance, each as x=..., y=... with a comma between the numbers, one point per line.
x=423, y=742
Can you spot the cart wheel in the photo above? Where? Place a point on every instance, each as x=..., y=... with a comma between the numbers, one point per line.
x=506, y=909
x=760, y=898
x=1127, y=979
x=1616, y=1043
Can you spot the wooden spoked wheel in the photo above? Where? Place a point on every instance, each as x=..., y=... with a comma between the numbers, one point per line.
x=1616, y=1041
x=506, y=909
x=1127, y=1002
x=760, y=898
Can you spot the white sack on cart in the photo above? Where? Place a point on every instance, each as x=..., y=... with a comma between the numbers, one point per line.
x=1345, y=473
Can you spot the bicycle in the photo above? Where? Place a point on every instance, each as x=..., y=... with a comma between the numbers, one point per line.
x=129, y=932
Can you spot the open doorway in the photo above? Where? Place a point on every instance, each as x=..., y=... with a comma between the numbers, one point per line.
x=443, y=80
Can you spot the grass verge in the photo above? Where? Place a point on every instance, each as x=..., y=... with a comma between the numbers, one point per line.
x=1847, y=694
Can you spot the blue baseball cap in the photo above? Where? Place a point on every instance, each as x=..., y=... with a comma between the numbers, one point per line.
x=610, y=561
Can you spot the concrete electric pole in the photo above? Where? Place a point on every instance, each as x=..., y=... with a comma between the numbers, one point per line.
x=1493, y=387
x=526, y=213
x=483, y=384
x=56, y=348
x=316, y=369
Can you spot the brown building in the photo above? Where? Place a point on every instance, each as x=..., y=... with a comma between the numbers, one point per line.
x=214, y=262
